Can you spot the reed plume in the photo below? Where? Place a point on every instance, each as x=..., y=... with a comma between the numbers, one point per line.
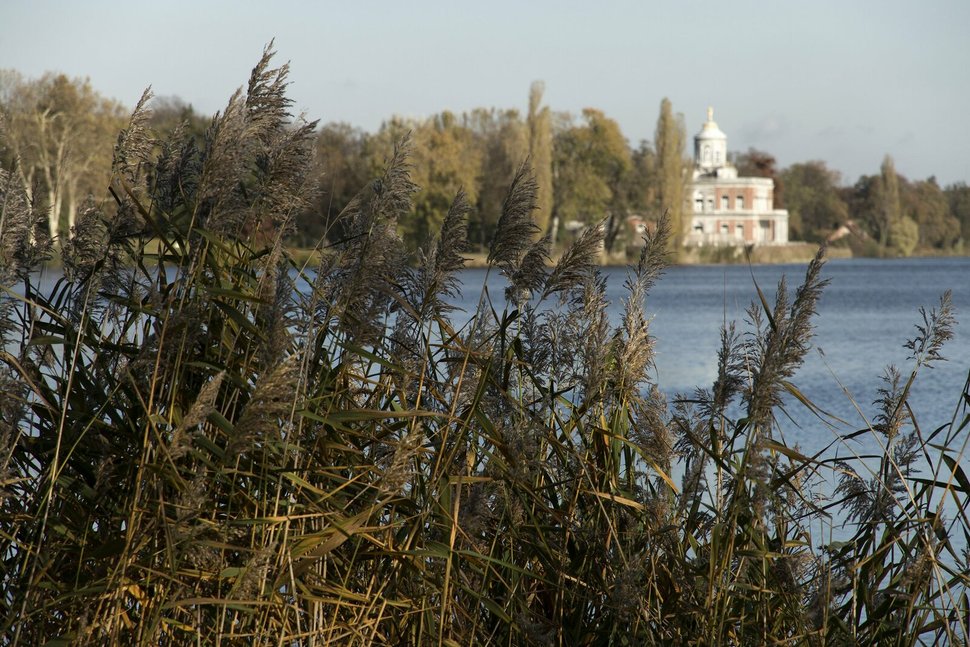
x=516, y=228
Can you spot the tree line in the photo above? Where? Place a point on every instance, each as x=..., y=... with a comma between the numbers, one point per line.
x=585, y=169
x=57, y=136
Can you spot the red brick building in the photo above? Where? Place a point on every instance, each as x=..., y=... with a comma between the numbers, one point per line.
x=726, y=209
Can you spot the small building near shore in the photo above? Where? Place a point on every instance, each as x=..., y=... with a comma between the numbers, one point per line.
x=726, y=209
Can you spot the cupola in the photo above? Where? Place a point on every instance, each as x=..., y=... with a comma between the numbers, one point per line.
x=710, y=145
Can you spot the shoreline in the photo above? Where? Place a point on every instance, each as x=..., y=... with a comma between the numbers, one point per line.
x=792, y=253
x=764, y=255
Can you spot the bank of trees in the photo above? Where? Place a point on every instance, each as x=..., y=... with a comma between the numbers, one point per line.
x=586, y=170
x=596, y=175
x=58, y=136
x=883, y=214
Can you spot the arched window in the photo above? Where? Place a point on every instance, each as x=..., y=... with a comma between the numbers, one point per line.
x=706, y=156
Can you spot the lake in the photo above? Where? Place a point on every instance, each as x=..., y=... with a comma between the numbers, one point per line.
x=866, y=314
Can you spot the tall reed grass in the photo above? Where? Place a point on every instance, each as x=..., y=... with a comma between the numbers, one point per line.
x=204, y=443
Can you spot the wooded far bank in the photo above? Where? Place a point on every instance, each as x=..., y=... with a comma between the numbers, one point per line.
x=58, y=134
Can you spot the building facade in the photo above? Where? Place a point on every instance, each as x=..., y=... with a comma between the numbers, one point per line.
x=726, y=209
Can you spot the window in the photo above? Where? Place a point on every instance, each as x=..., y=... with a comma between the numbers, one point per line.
x=739, y=230
x=698, y=227
x=724, y=229
x=698, y=204
x=724, y=202
x=706, y=158
x=717, y=157
x=739, y=202
x=710, y=204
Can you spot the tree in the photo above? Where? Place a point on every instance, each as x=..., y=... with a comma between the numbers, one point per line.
x=610, y=154
x=927, y=205
x=877, y=202
x=958, y=197
x=539, y=122
x=343, y=166
x=813, y=200
x=62, y=132
x=904, y=235
x=640, y=189
x=755, y=163
x=171, y=113
x=592, y=162
x=503, y=140
x=445, y=160
x=862, y=199
x=889, y=206
x=672, y=168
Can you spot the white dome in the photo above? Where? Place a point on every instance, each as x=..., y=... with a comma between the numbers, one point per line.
x=710, y=130
x=710, y=145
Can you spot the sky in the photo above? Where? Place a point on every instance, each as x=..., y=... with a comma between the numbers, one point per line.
x=843, y=81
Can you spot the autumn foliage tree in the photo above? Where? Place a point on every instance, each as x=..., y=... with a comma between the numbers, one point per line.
x=958, y=197
x=539, y=122
x=593, y=165
x=672, y=168
x=503, y=139
x=814, y=204
x=59, y=138
x=926, y=204
x=445, y=161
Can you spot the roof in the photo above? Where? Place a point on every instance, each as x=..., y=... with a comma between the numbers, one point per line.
x=710, y=130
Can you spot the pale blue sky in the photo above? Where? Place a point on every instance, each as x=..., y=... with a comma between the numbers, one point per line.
x=842, y=81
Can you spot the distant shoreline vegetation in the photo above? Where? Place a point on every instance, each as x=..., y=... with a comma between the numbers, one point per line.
x=59, y=133
x=761, y=254
x=210, y=455
x=795, y=252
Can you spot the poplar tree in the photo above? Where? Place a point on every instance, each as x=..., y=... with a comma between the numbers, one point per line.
x=889, y=205
x=897, y=230
x=672, y=168
x=539, y=123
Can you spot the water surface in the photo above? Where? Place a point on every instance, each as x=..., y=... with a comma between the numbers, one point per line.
x=866, y=314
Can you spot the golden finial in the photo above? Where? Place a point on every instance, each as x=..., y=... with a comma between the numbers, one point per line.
x=710, y=113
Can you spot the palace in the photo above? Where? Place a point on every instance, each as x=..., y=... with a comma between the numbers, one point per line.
x=726, y=209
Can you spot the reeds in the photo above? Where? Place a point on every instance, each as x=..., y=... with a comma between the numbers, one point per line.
x=194, y=451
